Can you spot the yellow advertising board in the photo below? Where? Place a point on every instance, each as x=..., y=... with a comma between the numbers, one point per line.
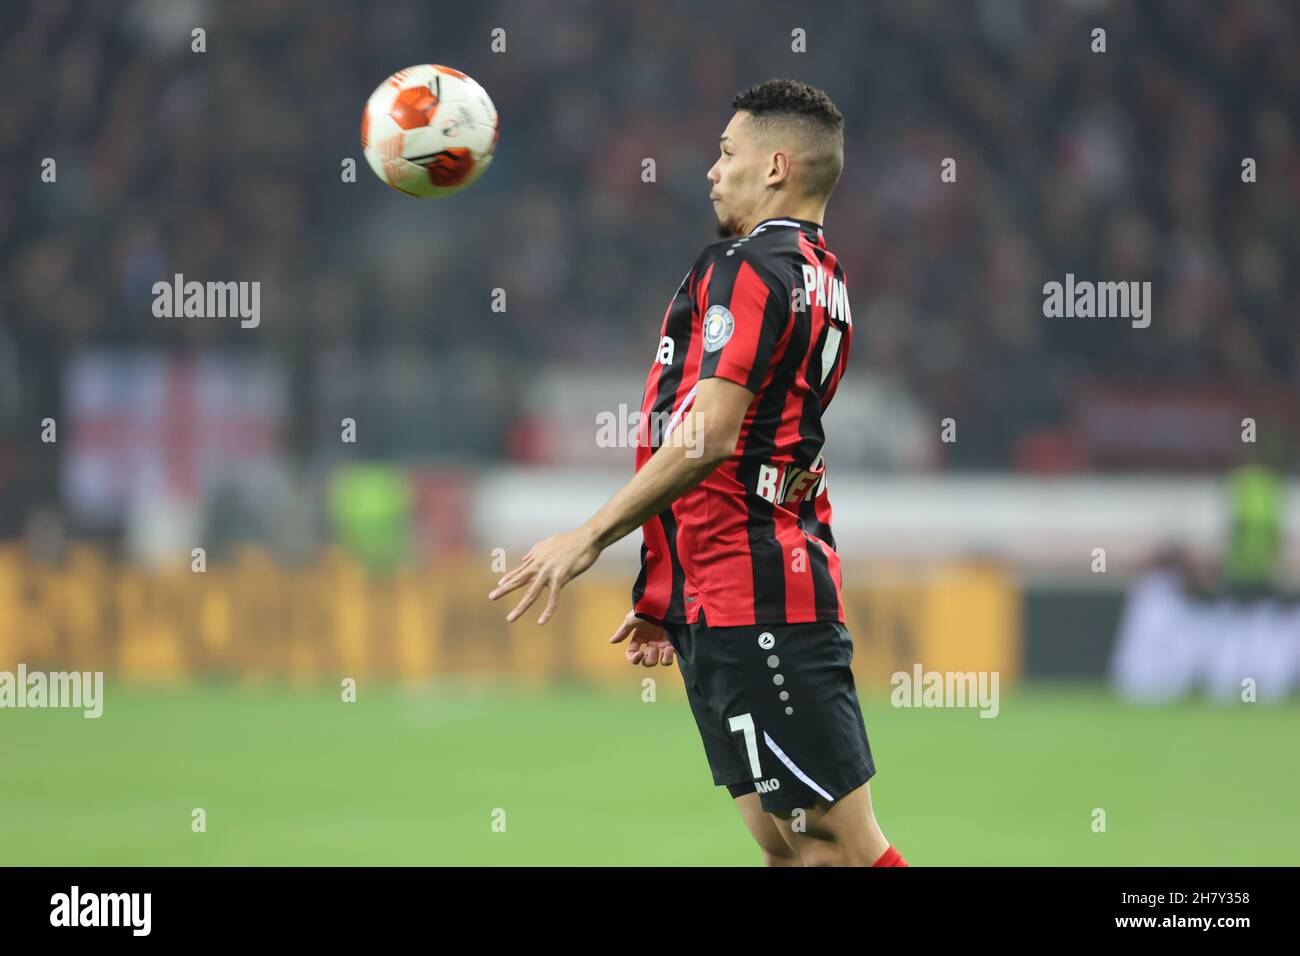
x=253, y=619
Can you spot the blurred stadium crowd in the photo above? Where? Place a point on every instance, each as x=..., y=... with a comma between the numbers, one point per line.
x=225, y=165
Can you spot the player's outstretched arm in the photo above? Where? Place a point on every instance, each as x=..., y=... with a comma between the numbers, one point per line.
x=704, y=438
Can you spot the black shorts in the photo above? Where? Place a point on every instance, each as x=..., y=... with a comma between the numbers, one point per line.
x=777, y=709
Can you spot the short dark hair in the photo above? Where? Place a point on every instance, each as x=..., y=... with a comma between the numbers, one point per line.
x=808, y=111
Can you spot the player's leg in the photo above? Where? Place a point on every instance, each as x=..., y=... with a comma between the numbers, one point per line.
x=777, y=850
x=843, y=833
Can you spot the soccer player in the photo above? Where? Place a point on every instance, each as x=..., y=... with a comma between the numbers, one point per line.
x=740, y=580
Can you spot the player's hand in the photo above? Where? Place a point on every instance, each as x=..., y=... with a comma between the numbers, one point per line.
x=649, y=645
x=552, y=564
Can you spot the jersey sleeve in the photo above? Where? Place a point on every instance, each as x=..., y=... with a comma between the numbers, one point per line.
x=743, y=317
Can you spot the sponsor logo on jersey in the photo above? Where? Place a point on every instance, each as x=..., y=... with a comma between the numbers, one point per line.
x=767, y=786
x=667, y=349
x=790, y=484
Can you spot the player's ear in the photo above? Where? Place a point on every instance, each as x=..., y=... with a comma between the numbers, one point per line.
x=779, y=168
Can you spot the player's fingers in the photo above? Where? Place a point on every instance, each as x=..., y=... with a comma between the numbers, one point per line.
x=625, y=630
x=651, y=655
x=666, y=652
x=529, y=597
x=506, y=587
x=634, y=651
x=511, y=581
x=503, y=588
x=554, y=584
x=526, y=562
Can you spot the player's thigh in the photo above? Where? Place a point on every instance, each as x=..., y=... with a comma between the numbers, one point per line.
x=777, y=851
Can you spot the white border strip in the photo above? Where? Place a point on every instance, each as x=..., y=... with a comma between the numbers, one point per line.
x=677, y=415
x=771, y=745
x=773, y=222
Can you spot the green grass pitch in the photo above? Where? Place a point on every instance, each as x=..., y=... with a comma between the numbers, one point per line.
x=414, y=776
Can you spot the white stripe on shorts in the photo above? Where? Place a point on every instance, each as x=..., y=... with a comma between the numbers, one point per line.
x=771, y=745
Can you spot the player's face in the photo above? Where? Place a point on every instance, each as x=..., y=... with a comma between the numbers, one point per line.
x=737, y=177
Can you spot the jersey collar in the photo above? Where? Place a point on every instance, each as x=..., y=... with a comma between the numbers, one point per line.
x=807, y=225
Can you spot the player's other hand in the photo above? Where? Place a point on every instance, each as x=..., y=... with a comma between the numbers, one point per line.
x=649, y=645
x=551, y=564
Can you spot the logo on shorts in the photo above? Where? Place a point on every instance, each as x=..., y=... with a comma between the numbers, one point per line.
x=766, y=641
x=718, y=326
x=767, y=786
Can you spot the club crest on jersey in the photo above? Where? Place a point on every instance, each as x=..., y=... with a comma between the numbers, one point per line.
x=718, y=326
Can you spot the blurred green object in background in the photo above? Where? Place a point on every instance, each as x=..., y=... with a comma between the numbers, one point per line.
x=1256, y=494
x=370, y=507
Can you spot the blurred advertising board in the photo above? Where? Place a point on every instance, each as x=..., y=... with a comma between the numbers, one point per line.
x=252, y=618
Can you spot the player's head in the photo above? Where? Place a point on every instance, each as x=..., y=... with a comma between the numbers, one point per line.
x=781, y=154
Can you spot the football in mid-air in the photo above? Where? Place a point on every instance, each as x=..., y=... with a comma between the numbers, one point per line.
x=429, y=130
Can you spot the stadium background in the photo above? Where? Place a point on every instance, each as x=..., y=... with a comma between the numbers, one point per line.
x=477, y=430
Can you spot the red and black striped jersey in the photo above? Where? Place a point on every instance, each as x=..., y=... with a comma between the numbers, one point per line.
x=752, y=543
